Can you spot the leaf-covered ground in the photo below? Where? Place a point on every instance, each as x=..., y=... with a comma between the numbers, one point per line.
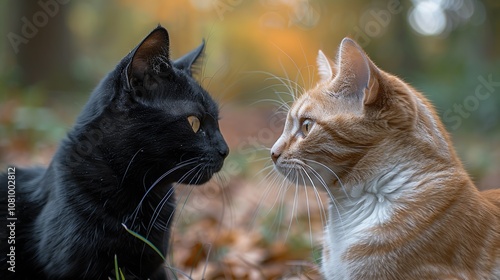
x=245, y=232
x=245, y=224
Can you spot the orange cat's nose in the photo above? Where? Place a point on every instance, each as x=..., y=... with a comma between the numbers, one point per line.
x=275, y=156
x=278, y=149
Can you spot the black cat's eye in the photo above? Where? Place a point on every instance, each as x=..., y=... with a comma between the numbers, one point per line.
x=306, y=126
x=195, y=123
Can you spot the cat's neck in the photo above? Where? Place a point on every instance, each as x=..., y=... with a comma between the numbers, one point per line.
x=370, y=202
x=95, y=180
x=422, y=186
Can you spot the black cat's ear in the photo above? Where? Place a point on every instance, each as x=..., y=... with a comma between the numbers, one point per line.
x=187, y=62
x=150, y=57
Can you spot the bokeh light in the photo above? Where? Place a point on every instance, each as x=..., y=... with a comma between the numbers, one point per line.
x=440, y=17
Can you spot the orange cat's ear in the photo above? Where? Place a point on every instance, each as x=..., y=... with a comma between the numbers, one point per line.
x=325, y=70
x=357, y=71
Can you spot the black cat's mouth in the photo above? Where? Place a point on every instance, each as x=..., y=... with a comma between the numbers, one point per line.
x=200, y=172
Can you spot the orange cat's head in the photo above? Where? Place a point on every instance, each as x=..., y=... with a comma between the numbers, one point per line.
x=355, y=122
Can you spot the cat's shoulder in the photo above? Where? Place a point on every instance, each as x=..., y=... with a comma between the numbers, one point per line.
x=12, y=176
x=493, y=196
x=22, y=187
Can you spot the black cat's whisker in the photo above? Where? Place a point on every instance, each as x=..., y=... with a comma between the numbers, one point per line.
x=189, y=189
x=128, y=166
x=226, y=200
x=176, y=270
x=220, y=182
x=219, y=228
x=157, y=211
x=87, y=270
x=161, y=204
x=144, y=179
x=188, y=173
x=179, y=166
x=197, y=176
x=222, y=178
x=206, y=262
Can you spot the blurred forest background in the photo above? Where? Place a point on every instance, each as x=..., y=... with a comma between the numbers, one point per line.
x=55, y=51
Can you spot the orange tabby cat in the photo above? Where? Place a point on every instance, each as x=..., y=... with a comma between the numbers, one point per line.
x=403, y=207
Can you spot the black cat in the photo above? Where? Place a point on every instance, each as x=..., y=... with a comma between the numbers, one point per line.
x=147, y=125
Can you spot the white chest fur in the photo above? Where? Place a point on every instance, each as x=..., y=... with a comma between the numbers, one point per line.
x=352, y=217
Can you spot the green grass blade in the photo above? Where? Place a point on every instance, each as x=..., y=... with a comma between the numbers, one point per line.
x=135, y=234
x=121, y=274
x=116, y=269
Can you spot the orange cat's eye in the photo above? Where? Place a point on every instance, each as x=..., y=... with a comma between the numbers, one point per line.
x=194, y=122
x=306, y=126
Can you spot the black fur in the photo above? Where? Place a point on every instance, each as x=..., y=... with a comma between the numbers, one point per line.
x=129, y=145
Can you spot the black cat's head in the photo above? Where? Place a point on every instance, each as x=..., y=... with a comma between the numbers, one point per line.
x=158, y=121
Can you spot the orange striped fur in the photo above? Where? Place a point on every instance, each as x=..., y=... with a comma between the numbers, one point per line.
x=402, y=205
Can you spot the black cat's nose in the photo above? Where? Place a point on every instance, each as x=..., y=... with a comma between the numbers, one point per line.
x=223, y=151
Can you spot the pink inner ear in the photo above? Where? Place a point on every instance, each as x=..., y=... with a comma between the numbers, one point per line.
x=353, y=64
x=355, y=72
x=139, y=66
x=154, y=46
x=325, y=70
x=371, y=91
